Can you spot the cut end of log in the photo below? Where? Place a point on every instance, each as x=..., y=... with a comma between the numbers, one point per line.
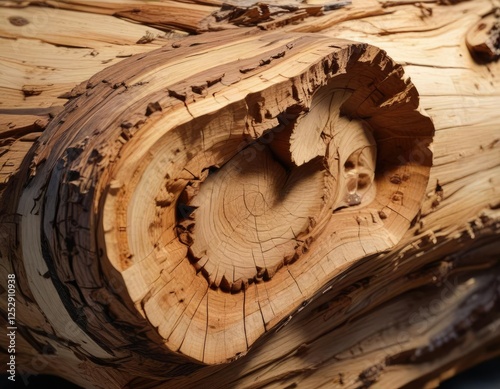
x=222, y=212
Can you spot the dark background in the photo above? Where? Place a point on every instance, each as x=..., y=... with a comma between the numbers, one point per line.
x=483, y=376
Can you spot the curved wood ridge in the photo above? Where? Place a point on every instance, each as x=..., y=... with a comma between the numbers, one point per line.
x=218, y=184
x=483, y=39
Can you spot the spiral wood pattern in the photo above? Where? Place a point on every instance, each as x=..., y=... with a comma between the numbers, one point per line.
x=219, y=190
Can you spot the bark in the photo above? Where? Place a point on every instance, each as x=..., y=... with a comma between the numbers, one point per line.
x=252, y=208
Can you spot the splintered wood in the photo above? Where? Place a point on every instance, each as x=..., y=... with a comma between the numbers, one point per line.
x=178, y=170
x=259, y=211
x=251, y=208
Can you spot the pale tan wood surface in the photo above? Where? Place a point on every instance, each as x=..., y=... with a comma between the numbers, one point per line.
x=389, y=320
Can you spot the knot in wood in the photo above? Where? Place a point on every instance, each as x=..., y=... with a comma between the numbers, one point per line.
x=250, y=215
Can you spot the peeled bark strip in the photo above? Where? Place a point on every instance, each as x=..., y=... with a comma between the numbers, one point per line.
x=183, y=15
x=196, y=16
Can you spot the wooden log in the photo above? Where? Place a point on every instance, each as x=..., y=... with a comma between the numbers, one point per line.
x=254, y=209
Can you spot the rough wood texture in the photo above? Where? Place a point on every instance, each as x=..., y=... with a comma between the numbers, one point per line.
x=258, y=190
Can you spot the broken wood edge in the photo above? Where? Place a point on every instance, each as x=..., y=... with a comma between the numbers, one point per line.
x=483, y=39
x=374, y=343
x=95, y=153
